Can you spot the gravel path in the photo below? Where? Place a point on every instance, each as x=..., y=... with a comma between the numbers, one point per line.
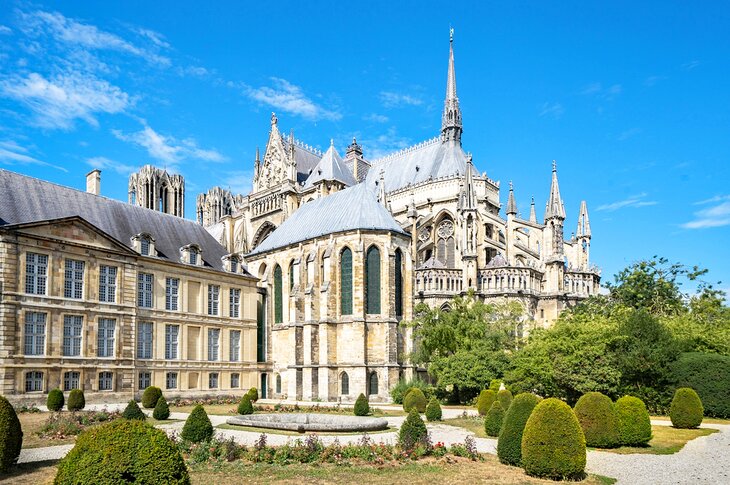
x=29, y=455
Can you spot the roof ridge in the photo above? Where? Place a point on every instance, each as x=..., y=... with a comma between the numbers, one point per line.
x=304, y=146
x=403, y=151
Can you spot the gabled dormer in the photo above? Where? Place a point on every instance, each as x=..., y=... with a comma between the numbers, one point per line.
x=144, y=244
x=192, y=255
x=232, y=263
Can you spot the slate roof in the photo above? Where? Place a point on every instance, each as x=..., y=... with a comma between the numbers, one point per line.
x=331, y=167
x=349, y=209
x=26, y=199
x=306, y=160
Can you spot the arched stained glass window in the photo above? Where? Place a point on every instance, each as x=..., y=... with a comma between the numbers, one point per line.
x=373, y=383
x=278, y=297
x=344, y=384
x=291, y=276
x=278, y=383
x=346, y=282
x=398, y=283
x=372, y=280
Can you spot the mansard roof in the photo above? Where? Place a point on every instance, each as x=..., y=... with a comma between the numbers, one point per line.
x=331, y=167
x=26, y=199
x=346, y=210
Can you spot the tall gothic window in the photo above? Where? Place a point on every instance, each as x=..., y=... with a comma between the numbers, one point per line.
x=346, y=282
x=291, y=276
x=372, y=280
x=398, y=283
x=278, y=311
x=344, y=384
x=373, y=383
x=446, y=245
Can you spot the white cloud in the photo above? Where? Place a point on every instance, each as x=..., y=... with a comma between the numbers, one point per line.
x=384, y=144
x=597, y=89
x=57, y=102
x=687, y=66
x=391, y=99
x=289, y=98
x=5, y=30
x=239, y=182
x=634, y=201
x=103, y=163
x=167, y=148
x=711, y=200
x=13, y=154
x=376, y=118
x=652, y=81
x=197, y=71
x=554, y=110
x=630, y=133
x=717, y=215
x=156, y=38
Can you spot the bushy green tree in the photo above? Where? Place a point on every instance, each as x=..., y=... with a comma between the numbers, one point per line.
x=509, y=444
x=198, y=426
x=150, y=396
x=132, y=411
x=597, y=418
x=55, y=400
x=493, y=419
x=413, y=431
x=11, y=436
x=162, y=410
x=433, y=410
x=362, y=407
x=76, y=400
x=709, y=375
x=686, y=410
x=634, y=424
x=414, y=399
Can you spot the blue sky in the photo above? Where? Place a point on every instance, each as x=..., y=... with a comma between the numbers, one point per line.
x=630, y=98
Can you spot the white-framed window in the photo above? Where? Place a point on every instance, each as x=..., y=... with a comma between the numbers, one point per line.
x=107, y=284
x=213, y=342
x=213, y=380
x=106, y=380
x=213, y=299
x=144, y=246
x=171, y=344
x=71, y=380
x=234, y=265
x=35, y=333
x=172, y=290
x=171, y=380
x=73, y=284
x=36, y=273
x=235, y=301
x=145, y=380
x=105, y=337
x=144, y=290
x=144, y=340
x=193, y=256
x=235, y=345
x=34, y=381
x=72, y=331
x=235, y=380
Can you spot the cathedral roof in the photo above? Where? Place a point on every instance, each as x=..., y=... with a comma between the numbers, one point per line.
x=305, y=156
x=331, y=167
x=346, y=210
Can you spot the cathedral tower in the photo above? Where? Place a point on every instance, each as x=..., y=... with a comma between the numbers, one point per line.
x=154, y=188
x=451, y=127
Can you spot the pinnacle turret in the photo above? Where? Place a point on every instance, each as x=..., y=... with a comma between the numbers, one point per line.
x=554, y=209
x=451, y=127
x=511, y=204
x=533, y=216
x=469, y=195
x=584, y=224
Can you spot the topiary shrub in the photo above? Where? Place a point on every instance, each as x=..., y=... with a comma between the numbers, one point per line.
x=597, y=418
x=634, y=424
x=245, y=406
x=197, y=427
x=495, y=384
x=509, y=444
x=54, y=401
x=413, y=431
x=414, y=399
x=150, y=396
x=505, y=398
x=485, y=401
x=132, y=411
x=399, y=391
x=708, y=375
x=433, y=410
x=553, y=445
x=493, y=420
x=253, y=394
x=686, y=410
x=123, y=451
x=11, y=435
x=76, y=400
x=362, y=407
x=162, y=410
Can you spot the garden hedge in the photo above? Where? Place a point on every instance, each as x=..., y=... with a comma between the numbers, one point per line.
x=433, y=410
x=708, y=375
x=123, y=451
x=362, y=407
x=485, y=400
x=150, y=396
x=494, y=418
x=253, y=394
x=509, y=444
x=414, y=399
x=245, y=406
x=597, y=418
x=197, y=427
x=55, y=400
x=162, y=410
x=132, y=411
x=553, y=445
x=11, y=436
x=505, y=398
x=413, y=431
x=634, y=424
x=76, y=400
x=686, y=410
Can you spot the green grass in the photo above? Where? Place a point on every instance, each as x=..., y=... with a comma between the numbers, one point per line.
x=665, y=441
x=704, y=420
x=253, y=429
x=475, y=425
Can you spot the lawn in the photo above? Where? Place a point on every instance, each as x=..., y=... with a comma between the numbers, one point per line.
x=665, y=441
x=475, y=425
x=704, y=420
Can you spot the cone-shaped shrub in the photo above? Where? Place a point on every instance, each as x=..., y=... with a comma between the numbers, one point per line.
x=597, y=418
x=686, y=409
x=505, y=398
x=162, y=410
x=634, y=425
x=11, y=436
x=197, y=427
x=493, y=420
x=76, y=400
x=509, y=445
x=150, y=396
x=253, y=394
x=245, y=406
x=123, y=451
x=433, y=410
x=55, y=400
x=413, y=431
x=415, y=398
x=132, y=411
x=362, y=407
x=553, y=445
x=485, y=401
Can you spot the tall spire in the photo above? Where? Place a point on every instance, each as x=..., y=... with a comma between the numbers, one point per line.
x=470, y=193
x=554, y=207
x=584, y=224
x=451, y=127
x=382, y=198
x=533, y=216
x=511, y=204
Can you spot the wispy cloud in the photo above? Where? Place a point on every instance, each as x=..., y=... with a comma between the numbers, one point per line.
x=103, y=163
x=392, y=99
x=5, y=30
x=717, y=215
x=167, y=148
x=652, y=81
x=688, y=66
x=712, y=200
x=57, y=102
x=634, y=201
x=376, y=118
x=553, y=110
x=630, y=133
x=155, y=37
x=13, y=154
x=384, y=144
x=239, y=182
x=290, y=98
x=596, y=89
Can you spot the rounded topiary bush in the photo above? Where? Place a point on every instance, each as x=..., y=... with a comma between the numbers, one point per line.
x=76, y=400
x=505, y=398
x=493, y=420
x=553, y=445
x=245, y=406
x=150, y=396
x=415, y=399
x=433, y=410
x=413, y=431
x=55, y=400
x=509, y=444
x=485, y=401
x=686, y=410
x=123, y=451
x=162, y=410
x=707, y=374
x=253, y=394
x=597, y=418
x=634, y=424
x=132, y=411
x=362, y=407
x=197, y=427
x=11, y=435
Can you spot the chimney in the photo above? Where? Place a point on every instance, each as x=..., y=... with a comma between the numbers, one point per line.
x=93, y=182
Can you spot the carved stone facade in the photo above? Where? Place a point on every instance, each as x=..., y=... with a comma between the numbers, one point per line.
x=154, y=188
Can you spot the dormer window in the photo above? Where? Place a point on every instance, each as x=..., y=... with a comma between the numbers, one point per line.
x=234, y=265
x=191, y=254
x=144, y=244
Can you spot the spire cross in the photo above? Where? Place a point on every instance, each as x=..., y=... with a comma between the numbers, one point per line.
x=555, y=166
x=451, y=34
